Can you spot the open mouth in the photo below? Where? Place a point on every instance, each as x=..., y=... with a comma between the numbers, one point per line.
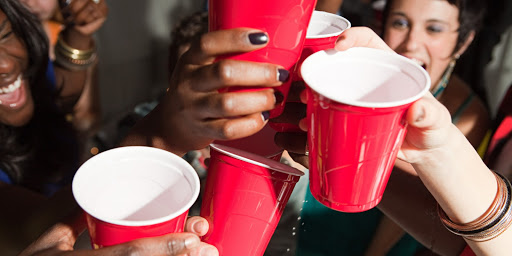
x=419, y=62
x=13, y=95
x=12, y=87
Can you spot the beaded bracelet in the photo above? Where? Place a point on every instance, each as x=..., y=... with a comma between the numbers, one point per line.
x=492, y=223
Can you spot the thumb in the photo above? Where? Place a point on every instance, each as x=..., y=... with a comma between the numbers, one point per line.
x=428, y=113
x=429, y=123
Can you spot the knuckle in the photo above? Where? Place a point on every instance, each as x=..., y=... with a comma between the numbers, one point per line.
x=224, y=71
x=269, y=72
x=228, y=131
x=173, y=247
x=205, y=44
x=132, y=249
x=227, y=105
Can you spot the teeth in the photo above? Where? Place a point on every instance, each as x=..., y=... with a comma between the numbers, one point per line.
x=12, y=87
x=418, y=62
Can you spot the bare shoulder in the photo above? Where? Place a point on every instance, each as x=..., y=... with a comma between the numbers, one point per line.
x=471, y=113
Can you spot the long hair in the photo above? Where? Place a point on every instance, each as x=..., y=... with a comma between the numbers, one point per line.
x=34, y=154
x=471, y=14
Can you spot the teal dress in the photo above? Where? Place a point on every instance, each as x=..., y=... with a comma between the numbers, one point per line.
x=326, y=232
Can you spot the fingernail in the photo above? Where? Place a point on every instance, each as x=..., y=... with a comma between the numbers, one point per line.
x=192, y=242
x=208, y=251
x=258, y=38
x=420, y=114
x=279, y=97
x=283, y=75
x=265, y=116
x=198, y=227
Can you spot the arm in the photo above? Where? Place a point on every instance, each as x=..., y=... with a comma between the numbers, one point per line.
x=82, y=18
x=451, y=170
x=447, y=164
x=445, y=161
x=419, y=217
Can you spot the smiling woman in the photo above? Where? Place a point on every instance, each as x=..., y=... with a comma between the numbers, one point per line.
x=435, y=34
x=37, y=149
x=16, y=108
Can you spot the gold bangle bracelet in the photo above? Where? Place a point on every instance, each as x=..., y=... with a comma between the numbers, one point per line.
x=74, y=59
x=73, y=55
x=74, y=64
x=64, y=46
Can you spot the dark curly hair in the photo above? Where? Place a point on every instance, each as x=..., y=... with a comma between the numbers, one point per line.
x=471, y=14
x=43, y=150
x=184, y=33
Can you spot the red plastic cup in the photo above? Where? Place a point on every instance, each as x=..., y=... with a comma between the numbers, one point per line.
x=261, y=143
x=285, y=21
x=244, y=198
x=323, y=31
x=134, y=192
x=357, y=100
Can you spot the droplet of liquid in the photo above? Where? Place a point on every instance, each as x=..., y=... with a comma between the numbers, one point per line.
x=293, y=233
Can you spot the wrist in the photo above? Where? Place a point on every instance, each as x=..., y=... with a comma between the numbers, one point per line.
x=153, y=131
x=451, y=147
x=76, y=39
x=74, y=53
x=457, y=178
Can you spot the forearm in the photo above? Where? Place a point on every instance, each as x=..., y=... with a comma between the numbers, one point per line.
x=463, y=186
x=408, y=202
x=71, y=81
x=151, y=131
x=458, y=179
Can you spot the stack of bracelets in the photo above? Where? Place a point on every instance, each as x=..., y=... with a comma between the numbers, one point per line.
x=492, y=223
x=73, y=59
